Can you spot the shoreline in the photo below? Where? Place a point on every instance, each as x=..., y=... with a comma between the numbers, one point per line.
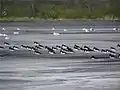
x=27, y=19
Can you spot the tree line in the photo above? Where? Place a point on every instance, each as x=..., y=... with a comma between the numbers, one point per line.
x=54, y=9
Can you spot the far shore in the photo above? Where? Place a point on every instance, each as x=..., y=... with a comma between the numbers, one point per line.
x=25, y=19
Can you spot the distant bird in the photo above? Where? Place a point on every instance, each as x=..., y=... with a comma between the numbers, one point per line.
x=83, y=49
x=51, y=51
x=4, y=35
x=16, y=48
x=115, y=29
x=62, y=52
x=15, y=33
x=87, y=48
x=58, y=47
x=91, y=29
x=96, y=49
x=11, y=48
x=38, y=47
x=54, y=48
x=37, y=44
x=18, y=29
x=53, y=28
x=3, y=29
x=56, y=34
x=1, y=47
x=23, y=46
x=111, y=56
x=37, y=52
x=112, y=48
x=66, y=48
x=103, y=50
x=6, y=38
x=76, y=47
x=110, y=51
x=86, y=30
x=65, y=30
x=93, y=57
x=6, y=43
x=118, y=45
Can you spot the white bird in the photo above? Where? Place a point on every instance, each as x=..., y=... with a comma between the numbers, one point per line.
x=18, y=29
x=15, y=33
x=65, y=30
x=56, y=34
x=3, y=29
x=53, y=28
x=7, y=38
x=3, y=35
x=91, y=29
x=115, y=29
x=85, y=29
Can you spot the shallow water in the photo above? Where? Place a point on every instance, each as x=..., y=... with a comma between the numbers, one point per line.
x=62, y=74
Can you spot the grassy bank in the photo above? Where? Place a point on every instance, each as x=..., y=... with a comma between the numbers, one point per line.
x=13, y=19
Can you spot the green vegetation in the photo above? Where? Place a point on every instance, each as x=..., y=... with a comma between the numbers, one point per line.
x=68, y=9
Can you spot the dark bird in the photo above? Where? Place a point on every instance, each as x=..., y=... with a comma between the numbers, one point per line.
x=11, y=48
x=86, y=47
x=1, y=47
x=93, y=57
x=70, y=49
x=118, y=45
x=112, y=56
x=110, y=51
x=59, y=47
x=76, y=47
x=112, y=48
x=66, y=48
x=62, y=52
x=37, y=44
x=15, y=47
x=103, y=50
x=23, y=46
x=51, y=51
x=38, y=47
x=37, y=52
x=96, y=49
x=55, y=48
x=6, y=43
x=83, y=49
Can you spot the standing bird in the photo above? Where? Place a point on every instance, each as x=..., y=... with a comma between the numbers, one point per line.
x=96, y=49
x=16, y=48
x=111, y=56
x=11, y=49
x=1, y=47
x=6, y=43
x=37, y=44
x=62, y=52
x=76, y=47
x=93, y=57
x=113, y=49
x=37, y=52
x=55, y=48
x=118, y=45
x=66, y=48
x=51, y=51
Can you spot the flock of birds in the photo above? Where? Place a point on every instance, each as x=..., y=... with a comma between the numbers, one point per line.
x=55, y=33
x=63, y=49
